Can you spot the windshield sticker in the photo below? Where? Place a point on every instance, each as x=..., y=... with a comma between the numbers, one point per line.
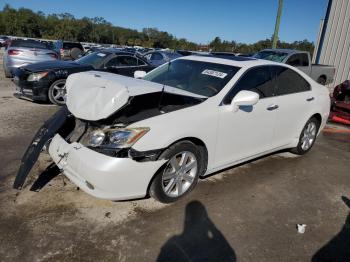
x=214, y=73
x=101, y=54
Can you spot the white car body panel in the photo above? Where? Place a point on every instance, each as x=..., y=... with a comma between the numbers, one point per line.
x=112, y=178
x=230, y=136
x=237, y=134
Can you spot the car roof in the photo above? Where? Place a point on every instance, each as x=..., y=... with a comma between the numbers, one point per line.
x=117, y=52
x=237, y=61
x=281, y=50
x=160, y=51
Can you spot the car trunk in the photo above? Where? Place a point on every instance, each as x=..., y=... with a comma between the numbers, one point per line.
x=33, y=54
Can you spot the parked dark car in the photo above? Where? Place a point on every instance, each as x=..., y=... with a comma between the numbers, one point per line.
x=69, y=50
x=46, y=81
x=3, y=40
x=6, y=43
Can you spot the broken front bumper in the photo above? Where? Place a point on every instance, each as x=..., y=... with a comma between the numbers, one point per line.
x=100, y=175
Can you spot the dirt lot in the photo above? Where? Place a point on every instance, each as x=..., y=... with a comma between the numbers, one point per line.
x=248, y=213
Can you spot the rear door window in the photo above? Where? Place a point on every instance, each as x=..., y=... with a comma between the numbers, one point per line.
x=122, y=61
x=304, y=59
x=140, y=62
x=298, y=60
x=288, y=81
x=294, y=60
x=258, y=79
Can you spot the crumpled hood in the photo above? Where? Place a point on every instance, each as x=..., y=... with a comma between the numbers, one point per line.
x=96, y=95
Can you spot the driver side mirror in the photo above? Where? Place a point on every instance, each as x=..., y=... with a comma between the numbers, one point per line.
x=139, y=74
x=244, y=98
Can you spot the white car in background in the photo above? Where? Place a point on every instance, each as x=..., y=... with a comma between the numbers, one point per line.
x=123, y=138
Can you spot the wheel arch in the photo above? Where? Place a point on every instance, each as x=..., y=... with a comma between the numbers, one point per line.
x=194, y=140
x=323, y=76
x=317, y=116
x=197, y=142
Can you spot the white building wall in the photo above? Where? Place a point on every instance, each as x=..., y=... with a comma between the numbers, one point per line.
x=335, y=49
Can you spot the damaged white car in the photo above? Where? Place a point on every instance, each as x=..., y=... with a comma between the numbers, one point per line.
x=123, y=138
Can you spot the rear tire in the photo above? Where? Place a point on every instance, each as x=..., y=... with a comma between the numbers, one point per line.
x=57, y=91
x=307, y=137
x=322, y=80
x=75, y=53
x=180, y=174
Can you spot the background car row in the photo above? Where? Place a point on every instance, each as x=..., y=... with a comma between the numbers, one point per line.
x=45, y=81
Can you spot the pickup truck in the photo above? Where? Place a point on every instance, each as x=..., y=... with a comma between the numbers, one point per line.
x=323, y=74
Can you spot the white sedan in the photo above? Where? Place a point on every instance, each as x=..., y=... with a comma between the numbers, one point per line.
x=123, y=138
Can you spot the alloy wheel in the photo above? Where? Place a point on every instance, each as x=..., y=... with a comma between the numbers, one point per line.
x=179, y=174
x=58, y=92
x=309, y=136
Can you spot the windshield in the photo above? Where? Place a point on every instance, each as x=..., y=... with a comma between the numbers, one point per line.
x=271, y=55
x=201, y=78
x=28, y=44
x=93, y=59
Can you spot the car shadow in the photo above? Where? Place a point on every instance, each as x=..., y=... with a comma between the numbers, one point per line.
x=338, y=248
x=199, y=241
x=45, y=177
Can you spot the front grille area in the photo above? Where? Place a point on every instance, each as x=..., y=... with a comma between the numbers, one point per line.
x=78, y=131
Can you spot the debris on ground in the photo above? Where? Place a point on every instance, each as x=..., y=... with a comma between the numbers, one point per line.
x=301, y=228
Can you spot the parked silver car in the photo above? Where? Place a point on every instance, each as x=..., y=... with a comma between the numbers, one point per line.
x=23, y=52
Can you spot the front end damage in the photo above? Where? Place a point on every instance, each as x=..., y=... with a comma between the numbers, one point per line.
x=62, y=122
x=107, y=173
x=91, y=140
x=102, y=176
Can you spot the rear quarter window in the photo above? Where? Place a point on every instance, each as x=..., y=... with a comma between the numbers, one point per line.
x=288, y=81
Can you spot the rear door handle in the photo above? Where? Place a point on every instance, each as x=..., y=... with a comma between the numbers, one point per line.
x=310, y=99
x=272, y=107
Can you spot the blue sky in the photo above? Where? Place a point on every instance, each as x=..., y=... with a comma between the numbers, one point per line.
x=199, y=21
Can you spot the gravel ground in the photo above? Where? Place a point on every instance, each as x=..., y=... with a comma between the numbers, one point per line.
x=247, y=213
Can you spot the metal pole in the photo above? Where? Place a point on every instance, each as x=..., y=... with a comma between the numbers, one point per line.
x=323, y=32
x=277, y=25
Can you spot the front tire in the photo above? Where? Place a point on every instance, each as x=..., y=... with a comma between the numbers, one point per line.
x=307, y=137
x=180, y=174
x=57, y=92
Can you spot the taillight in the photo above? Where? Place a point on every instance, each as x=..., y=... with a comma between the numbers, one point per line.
x=14, y=52
x=53, y=55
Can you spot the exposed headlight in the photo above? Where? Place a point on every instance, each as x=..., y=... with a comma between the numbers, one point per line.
x=36, y=76
x=116, y=138
x=96, y=138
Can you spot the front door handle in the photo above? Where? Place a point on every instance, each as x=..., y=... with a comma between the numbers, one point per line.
x=310, y=99
x=272, y=107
